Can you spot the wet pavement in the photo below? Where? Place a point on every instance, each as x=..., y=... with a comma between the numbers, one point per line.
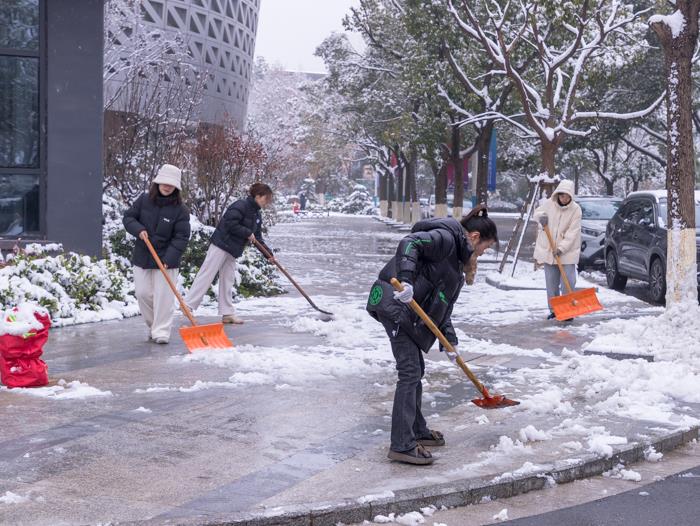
x=297, y=415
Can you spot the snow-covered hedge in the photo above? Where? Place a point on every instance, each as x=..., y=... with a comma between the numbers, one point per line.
x=358, y=202
x=72, y=287
x=255, y=276
x=76, y=289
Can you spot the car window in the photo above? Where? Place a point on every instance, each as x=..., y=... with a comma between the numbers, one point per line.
x=601, y=209
x=632, y=212
x=646, y=213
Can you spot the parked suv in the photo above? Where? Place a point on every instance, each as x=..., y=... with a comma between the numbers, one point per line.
x=635, y=242
x=596, y=212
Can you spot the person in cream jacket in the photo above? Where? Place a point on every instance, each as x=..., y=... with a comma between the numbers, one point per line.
x=563, y=216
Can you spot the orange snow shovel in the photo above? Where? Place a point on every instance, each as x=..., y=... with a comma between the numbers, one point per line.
x=573, y=303
x=197, y=337
x=488, y=401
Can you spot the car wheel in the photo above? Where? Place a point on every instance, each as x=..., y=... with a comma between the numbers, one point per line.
x=657, y=281
x=615, y=280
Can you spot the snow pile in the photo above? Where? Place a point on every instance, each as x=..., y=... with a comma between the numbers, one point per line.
x=502, y=515
x=412, y=518
x=671, y=336
x=602, y=444
x=531, y=434
x=619, y=472
x=21, y=320
x=374, y=497
x=635, y=389
x=63, y=390
x=13, y=498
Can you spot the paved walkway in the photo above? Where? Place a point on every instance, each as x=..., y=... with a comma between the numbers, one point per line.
x=296, y=420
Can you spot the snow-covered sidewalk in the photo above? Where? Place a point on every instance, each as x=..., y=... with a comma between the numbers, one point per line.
x=299, y=413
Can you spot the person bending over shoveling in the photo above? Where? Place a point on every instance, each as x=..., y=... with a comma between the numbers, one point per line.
x=241, y=224
x=431, y=263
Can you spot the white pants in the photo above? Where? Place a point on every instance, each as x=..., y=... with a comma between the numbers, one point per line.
x=216, y=261
x=156, y=300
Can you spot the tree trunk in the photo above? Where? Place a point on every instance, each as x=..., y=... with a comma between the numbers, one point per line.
x=413, y=189
x=383, y=192
x=681, y=258
x=549, y=152
x=577, y=178
x=609, y=186
x=398, y=215
x=441, y=190
x=456, y=160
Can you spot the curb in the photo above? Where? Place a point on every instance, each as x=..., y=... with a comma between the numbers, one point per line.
x=502, y=286
x=452, y=494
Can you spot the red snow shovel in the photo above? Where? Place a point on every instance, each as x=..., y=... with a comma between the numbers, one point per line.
x=488, y=401
x=197, y=337
x=573, y=303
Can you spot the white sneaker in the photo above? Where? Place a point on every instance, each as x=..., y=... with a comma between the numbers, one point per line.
x=161, y=340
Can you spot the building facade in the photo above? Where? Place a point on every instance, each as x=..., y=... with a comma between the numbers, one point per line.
x=51, y=122
x=220, y=40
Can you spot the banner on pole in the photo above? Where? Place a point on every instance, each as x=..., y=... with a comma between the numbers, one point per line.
x=492, y=162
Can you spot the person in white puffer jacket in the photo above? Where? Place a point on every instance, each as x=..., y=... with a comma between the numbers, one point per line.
x=563, y=216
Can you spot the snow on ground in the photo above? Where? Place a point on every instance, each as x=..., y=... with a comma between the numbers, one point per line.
x=63, y=390
x=13, y=498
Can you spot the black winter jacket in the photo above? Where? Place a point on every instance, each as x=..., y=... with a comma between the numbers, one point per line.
x=168, y=227
x=240, y=220
x=432, y=259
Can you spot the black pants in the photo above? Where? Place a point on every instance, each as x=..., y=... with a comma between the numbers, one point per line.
x=407, y=422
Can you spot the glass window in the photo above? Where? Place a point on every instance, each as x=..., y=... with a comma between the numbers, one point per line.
x=19, y=204
x=599, y=209
x=19, y=24
x=19, y=112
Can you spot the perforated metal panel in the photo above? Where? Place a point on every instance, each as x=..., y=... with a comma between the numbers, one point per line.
x=220, y=35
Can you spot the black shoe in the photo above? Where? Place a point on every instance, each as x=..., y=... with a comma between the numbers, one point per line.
x=418, y=456
x=551, y=316
x=434, y=439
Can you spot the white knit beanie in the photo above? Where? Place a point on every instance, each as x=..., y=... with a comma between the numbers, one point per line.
x=169, y=174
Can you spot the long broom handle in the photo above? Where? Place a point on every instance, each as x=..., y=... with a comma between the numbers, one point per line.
x=267, y=254
x=569, y=289
x=183, y=305
x=438, y=333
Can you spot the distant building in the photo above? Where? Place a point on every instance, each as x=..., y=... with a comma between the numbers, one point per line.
x=220, y=37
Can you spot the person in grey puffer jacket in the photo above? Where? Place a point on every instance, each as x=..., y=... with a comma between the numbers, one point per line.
x=431, y=263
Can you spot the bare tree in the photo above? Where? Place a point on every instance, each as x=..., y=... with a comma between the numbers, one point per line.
x=222, y=164
x=567, y=39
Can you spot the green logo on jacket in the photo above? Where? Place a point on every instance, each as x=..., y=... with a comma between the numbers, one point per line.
x=375, y=295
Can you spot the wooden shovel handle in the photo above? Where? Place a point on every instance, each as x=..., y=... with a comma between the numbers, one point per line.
x=183, y=305
x=441, y=337
x=569, y=289
x=267, y=254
